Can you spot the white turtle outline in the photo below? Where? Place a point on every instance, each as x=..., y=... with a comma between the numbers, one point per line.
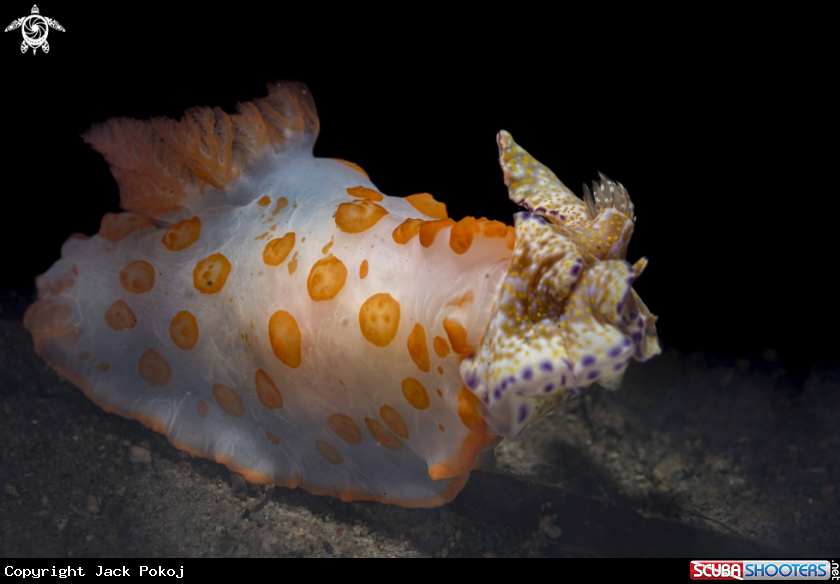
x=27, y=22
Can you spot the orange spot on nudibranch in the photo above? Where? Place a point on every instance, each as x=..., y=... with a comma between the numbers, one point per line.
x=495, y=229
x=326, y=278
x=363, y=270
x=328, y=452
x=228, y=400
x=426, y=204
x=345, y=428
x=358, y=216
x=138, y=277
x=383, y=436
x=103, y=367
x=72, y=337
x=282, y=203
x=327, y=247
x=184, y=330
x=211, y=273
x=115, y=226
x=462, y=233
x=441, y=347
x=417, y=348
x=439, y=392
x=272, y=438
x=352, y=165
x=477, y=440
x=429, y=230
x=182, y=235
x=441, y=428
x=45, y=320
x=264, y=201
x=457, y=337
x=406, y=230
x=468, y=411
x=293, y=263
x=440, y=369
x=119, y=316
x=267, y=391
x=154, y=369
x=84, y=355
x=202, y=407
x=379, y=319
x=394, y=421
x=284, y=335
x=278, y=250
x=415, y=393
x=364, y=193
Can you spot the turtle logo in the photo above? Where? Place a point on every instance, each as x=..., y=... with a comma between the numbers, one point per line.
x=35, y=28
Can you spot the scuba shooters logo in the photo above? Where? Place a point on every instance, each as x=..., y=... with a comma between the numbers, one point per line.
x=35, y=29
x=764, y=570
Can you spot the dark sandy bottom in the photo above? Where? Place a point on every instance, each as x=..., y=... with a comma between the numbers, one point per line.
x=693, y=456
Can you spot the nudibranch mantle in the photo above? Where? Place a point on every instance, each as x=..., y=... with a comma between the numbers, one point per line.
x=276, y=313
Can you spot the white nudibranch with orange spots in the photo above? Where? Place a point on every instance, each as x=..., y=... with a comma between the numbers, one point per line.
x=275, y=312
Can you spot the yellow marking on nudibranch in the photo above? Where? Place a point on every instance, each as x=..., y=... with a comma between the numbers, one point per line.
x=138, y=277
x=184, y=330
x=183, y=234
x=426, y=204
x=279, y=249
x=326, y=279
x=417, y=348
x=154, y=369
x=345, y=428
x=383, y=436
x=429, y=229
x=328, y=452
x=282, y=203
x=267, y=391
x=441, y=347
x=415, y=393
x=379, y=319
x=228, y=400
x=119, y=316
x=358, y=216
x=406, y=230
x=116, y=226
x=285, y=338
x=211, y=273
x=394, y=421
x=364, y=193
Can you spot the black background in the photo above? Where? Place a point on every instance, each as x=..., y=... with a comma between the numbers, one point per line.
x=716, y=127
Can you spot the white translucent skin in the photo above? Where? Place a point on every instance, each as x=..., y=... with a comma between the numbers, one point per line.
x=422, y=280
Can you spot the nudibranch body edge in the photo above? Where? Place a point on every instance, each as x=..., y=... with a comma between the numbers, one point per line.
x=277, y=313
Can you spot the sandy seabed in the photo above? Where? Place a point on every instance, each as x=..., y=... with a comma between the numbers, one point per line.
x=694, y=455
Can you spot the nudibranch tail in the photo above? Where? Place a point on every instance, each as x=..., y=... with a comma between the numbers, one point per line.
x=566, y=315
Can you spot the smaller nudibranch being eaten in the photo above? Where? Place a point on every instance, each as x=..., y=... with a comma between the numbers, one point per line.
x=277, y=313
